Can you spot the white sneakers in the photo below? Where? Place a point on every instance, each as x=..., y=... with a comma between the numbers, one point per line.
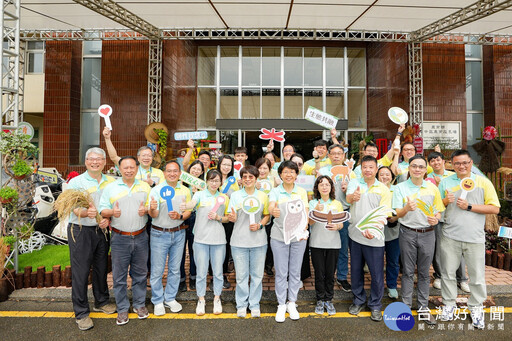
x=255, y=313
x=291, y=307
x=159, y=309
x=241, y=312
x=464, y=286
x=174, y=306
x=282, y=309
x=200, y=309
x=437, y=283
x=217, y=306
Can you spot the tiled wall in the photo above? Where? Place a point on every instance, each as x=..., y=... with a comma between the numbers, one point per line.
x=124, y=86
x=179, y=89
x=62, y=104
x=444, y=84
x=497, y=71
x=388, y=85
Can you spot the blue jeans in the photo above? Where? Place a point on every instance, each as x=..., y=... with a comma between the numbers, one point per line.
x=392, y=262
x=203, y=255
x=165, y=244
x=189, y=241
x=342, y=266
x=249, y=261
x=132, y=252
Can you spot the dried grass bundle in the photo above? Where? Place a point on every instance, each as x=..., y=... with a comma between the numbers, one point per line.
x=71, y=199
x=491, y=223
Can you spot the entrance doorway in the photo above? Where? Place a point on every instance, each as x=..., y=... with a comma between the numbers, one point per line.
x=301, y=140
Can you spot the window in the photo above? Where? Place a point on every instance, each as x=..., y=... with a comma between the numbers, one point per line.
x=474, y=97
x=237, y=82
x=35, y=57
x=91, y=97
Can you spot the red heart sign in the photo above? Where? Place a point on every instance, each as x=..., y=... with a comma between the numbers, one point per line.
x=105, y=110
x=237, y=166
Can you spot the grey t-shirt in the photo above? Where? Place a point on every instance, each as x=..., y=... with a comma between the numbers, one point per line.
x=320, y=237
x=208, y=231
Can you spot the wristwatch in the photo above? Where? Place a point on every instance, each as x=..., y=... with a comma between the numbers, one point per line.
x=469, y=208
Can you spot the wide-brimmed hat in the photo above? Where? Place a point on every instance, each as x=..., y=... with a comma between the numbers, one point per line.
x=149, y=131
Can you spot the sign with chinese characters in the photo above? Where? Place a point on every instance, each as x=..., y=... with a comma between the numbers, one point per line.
x=192, y=180
x=445, y=133
x=321, y=118
x=26, y=129
x=190, y=135
x=418, y=144
x=505, y=232
x=306, y=181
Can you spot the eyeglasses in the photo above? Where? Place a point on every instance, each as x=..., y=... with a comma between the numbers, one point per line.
x=288, y=172
x=214, y=181
x=98, y=159
x=336, y=154
x=417, y=166
x=463, y=163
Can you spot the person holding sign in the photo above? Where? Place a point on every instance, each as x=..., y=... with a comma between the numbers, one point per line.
x=437, y=162
x=325, y=244
x=167, y=238
x=124, y=201
x=248, y=209
x=365, y=194
x=196, y=153
x=195, y=169
x=88, y=245
x=209, y=238
x=468, y=198
x=288, y=203
x=417, y=237
x=266, y=182
x=319, y=159
x=229, y=186
x=146, y=173
x=337, y=157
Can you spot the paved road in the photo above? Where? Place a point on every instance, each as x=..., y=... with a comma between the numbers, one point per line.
x=187, y=326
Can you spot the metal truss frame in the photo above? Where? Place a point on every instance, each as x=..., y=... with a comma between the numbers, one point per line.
x=155, y=81
x=112, y=10
x=416, y=84
x=11, y=77
x=466, y=15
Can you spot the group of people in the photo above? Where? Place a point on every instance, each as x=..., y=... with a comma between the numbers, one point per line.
x=432, y=223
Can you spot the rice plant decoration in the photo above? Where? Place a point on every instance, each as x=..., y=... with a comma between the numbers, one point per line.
x=374, y=221
x=427, y=209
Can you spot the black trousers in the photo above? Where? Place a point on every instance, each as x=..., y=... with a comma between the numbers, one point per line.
x=88, y=246
x=305, y=270
x=269, y=258
x=324, y=263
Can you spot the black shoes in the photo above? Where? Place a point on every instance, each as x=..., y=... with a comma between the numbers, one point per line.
x=344, y=284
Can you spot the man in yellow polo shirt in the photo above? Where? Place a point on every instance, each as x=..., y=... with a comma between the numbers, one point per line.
x=464, y=234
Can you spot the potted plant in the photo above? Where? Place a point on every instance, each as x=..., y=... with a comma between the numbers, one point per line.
x=21, y=169
x=8, y=195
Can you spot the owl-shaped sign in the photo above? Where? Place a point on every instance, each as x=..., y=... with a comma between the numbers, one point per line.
x=295, y=220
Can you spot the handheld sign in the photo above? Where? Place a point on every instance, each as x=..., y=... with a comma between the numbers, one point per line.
x=167, y=193
x=190, y=135
x=266, y=186
x=398, y=115
x=321, y=118
x=192, y=180
x=272, y=135
x=237, y=166
x=105, y=111
x=251, y=205
x=505, y=232
x=219, y=201
x=230, y=181
x=466, y=185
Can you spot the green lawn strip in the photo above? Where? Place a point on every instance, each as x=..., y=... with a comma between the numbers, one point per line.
x=48, y=256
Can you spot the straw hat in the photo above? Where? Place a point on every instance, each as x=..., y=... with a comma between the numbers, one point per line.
x=149, y=131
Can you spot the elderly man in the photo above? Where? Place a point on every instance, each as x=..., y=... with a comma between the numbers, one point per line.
x=463, y=234
x=167, y=239
x=124, y=201
x=88, y=242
